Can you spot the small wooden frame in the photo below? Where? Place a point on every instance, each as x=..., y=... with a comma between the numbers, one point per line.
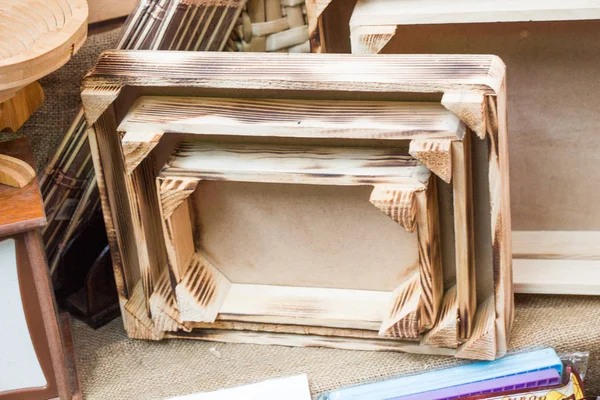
x=541, y=42
x=335, y=105
x=401, y=189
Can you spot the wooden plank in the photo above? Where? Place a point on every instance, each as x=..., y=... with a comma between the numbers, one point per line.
x=304, y=340
x=21, y=208
x=556, y=245
x=578, y=277
x=462, y=188
x=414, y=12
x=289, y=73
x=556, y=262
x=386, y=120
x=430, y=259
x=326, y=306
x=295, y=164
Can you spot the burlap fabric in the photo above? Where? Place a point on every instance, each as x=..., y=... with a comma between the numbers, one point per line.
x=114, y=367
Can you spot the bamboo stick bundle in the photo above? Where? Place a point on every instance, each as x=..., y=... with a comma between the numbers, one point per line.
x=68, y=184
x=271, y=26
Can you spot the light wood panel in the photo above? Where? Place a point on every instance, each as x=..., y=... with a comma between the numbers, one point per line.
x=291, y=118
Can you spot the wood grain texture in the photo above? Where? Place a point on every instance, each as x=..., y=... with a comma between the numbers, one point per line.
x=445, y=331
x=483, y=343
x=163, y=306
x=16, y=110
x=403, y=319
x=136, y=147
x=173, y=192
x=290, y=73
x=430, y=259
x=462, y=189
x=469, y=108
x=37, y=39
x=179, y=241
x=370, y=39
x=435, y=155
x=293, y=164
x=304, y=340
x=135, y=318
x=385, y=120
x=202, y=291
x=21, y=208
x=15, y=172
x=107, y=156
x=397, y=203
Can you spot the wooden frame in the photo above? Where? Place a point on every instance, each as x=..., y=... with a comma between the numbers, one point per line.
x=21, y=214
x=401, y=188
x=126, y=169
x=560, y=41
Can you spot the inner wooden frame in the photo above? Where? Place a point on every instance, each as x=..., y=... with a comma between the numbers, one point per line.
x=402, y=189
x=120, y=77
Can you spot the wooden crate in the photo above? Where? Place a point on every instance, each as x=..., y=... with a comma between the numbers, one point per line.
x=551, y=51
x=307, y=134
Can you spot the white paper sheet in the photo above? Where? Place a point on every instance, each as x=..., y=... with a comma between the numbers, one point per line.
x=290, y=388
x=19, y=365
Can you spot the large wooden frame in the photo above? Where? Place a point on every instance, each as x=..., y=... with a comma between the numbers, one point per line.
x=555, y=237
x=472, y=88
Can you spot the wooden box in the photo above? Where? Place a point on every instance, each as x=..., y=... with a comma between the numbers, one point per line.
x=552, y=55
x=36, y=359
x=324, y=200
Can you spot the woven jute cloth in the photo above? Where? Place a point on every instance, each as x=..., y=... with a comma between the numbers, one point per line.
x=114, y=367
x=111, y=366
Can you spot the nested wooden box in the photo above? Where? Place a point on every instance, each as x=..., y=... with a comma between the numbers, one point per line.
x=325, y=200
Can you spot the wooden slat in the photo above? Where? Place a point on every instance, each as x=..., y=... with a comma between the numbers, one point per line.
x=414, y=12
x=579, y=277
x=385, y=120
x=295, y=164
x=462, y=189
x=328, y=307
x=291, y=72
x=556, y=245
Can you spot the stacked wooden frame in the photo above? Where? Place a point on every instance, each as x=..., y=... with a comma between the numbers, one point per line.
x=68, y=183
x=177, y=138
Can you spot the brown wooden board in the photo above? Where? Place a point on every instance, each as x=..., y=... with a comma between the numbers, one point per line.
x=21, y=207
x=127, y=159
